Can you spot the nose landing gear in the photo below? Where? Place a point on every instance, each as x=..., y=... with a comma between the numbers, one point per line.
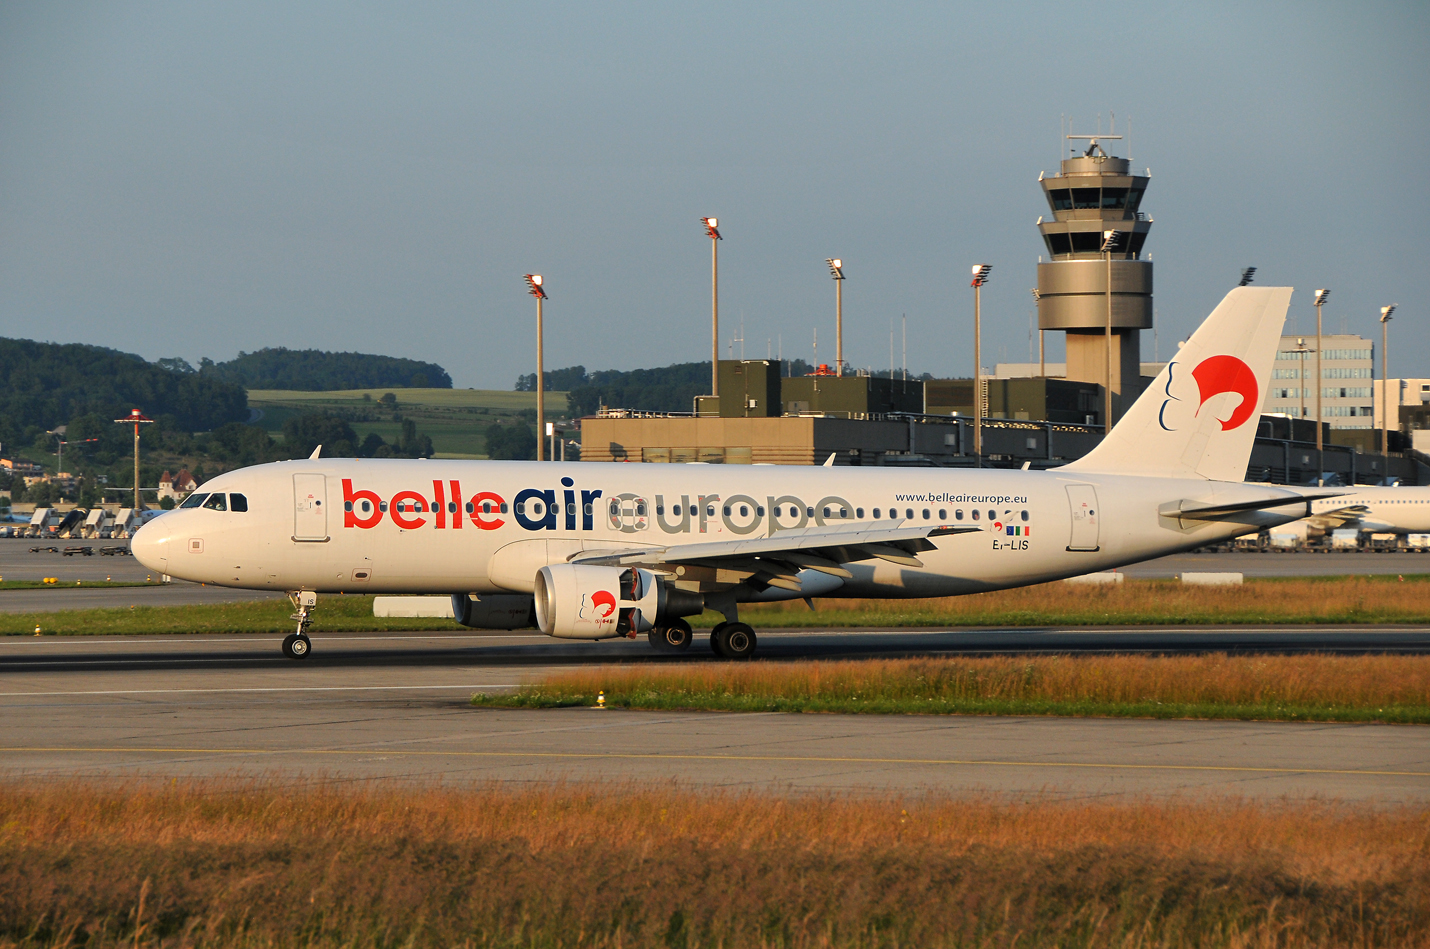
x=297, y=645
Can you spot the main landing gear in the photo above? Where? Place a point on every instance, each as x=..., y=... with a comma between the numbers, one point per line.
x=733, y=640
x=674, y=637
x=297, y=645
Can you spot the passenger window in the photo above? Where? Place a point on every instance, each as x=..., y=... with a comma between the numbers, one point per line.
x=238, y=503
x=640, y=509
x=760, y=510
x=744, y=511
x=993, y=515
x=942, y=514
x=926, y=513
x=876, y=513
x=216, y=502
x=1025, y=515
x=826, y=512
x=909, y=513
x=194, y=500
x=859, y=513
x=588, y=510
x=975, y=515
x=958, y=514
x=726, y=510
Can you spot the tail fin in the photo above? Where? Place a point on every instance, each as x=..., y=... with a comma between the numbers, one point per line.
x=1198, y=419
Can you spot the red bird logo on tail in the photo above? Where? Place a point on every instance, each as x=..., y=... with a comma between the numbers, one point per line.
x=1218, y=374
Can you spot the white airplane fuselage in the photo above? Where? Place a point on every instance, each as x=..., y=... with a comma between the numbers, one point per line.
x=445, y=526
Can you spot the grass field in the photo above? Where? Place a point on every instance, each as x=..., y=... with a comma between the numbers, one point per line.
x=262, y=616
x=1135, y=602
x=1260, y=688
x=71, y=584
x=454, y=418
x=219, y=864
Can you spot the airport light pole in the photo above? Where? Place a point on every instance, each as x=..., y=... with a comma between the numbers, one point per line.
x=1109, y=240
x=534, y=283
x=1321, y=296
x=836, y=270
x=1385, y=312
x=712, y=231
x=1042, y=358
x=980, y=277
x=136, y=418
x=1301, y=351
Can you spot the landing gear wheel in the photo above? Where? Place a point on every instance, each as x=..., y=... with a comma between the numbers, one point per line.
x=733, y=641
x=674, y=637
x=296, y=646
x=715, y=638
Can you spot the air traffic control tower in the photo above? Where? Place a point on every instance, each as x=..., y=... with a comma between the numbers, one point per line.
x=1095, y=193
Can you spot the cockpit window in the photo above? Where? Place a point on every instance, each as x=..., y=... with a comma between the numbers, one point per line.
x=238, y=502
x=194, y=500
x=216, y=502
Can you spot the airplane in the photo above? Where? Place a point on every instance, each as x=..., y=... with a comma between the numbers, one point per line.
x=604, y=550
x=1381, y=510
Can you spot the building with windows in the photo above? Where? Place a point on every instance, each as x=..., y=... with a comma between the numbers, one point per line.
x=1348, y=388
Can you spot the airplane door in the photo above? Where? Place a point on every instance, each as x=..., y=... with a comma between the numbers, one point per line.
x=1082, y=500
x=310, y=508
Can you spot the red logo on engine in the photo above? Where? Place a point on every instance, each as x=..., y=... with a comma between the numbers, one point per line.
x=1218, y=374
x=605, y=603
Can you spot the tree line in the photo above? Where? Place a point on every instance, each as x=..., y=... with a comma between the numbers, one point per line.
x=316, y=370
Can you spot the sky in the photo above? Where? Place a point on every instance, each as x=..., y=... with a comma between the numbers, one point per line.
x=198, y=179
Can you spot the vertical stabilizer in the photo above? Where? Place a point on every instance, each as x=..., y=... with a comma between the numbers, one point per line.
x=1198, y=419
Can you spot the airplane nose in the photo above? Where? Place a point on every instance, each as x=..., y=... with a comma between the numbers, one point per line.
x=150, y=546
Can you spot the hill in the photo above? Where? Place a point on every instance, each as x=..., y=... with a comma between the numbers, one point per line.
x=44, y=385
x=313, y=370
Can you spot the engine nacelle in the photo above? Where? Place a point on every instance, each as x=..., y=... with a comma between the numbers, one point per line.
x=502, y=611
x=576, y=601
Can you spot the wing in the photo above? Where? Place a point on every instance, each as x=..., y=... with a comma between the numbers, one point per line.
x=1339, y=517
x=777, y=561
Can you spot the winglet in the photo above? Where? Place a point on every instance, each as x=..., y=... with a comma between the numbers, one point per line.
x=829, y=462
x=316, y=452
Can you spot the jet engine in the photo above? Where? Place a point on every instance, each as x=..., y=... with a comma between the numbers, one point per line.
x=502, y=611
x=576, y=601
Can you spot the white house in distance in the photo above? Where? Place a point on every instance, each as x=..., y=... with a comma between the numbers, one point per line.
x=176, y=486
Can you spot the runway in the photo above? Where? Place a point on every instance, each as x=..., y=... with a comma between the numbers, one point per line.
x=396, y=706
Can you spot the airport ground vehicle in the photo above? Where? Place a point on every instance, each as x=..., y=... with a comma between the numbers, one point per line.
x=600, y=551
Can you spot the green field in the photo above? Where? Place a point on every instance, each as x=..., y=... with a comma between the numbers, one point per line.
x=454, y=418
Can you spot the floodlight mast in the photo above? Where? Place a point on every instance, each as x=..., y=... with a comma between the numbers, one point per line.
x=1321, y=296
x=980, y=277
x=1109, y=241
x=836, y=270
x=535, y=287
x=712, y=231
x=136, y=418
x=1385, y=312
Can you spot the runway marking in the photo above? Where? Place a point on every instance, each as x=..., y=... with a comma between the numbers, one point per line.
x=788, y=759
x=296, y=688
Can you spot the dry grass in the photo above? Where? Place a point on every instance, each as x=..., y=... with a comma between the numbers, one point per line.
x=1375, y=599
x=224, y=864
x=1317, y=687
